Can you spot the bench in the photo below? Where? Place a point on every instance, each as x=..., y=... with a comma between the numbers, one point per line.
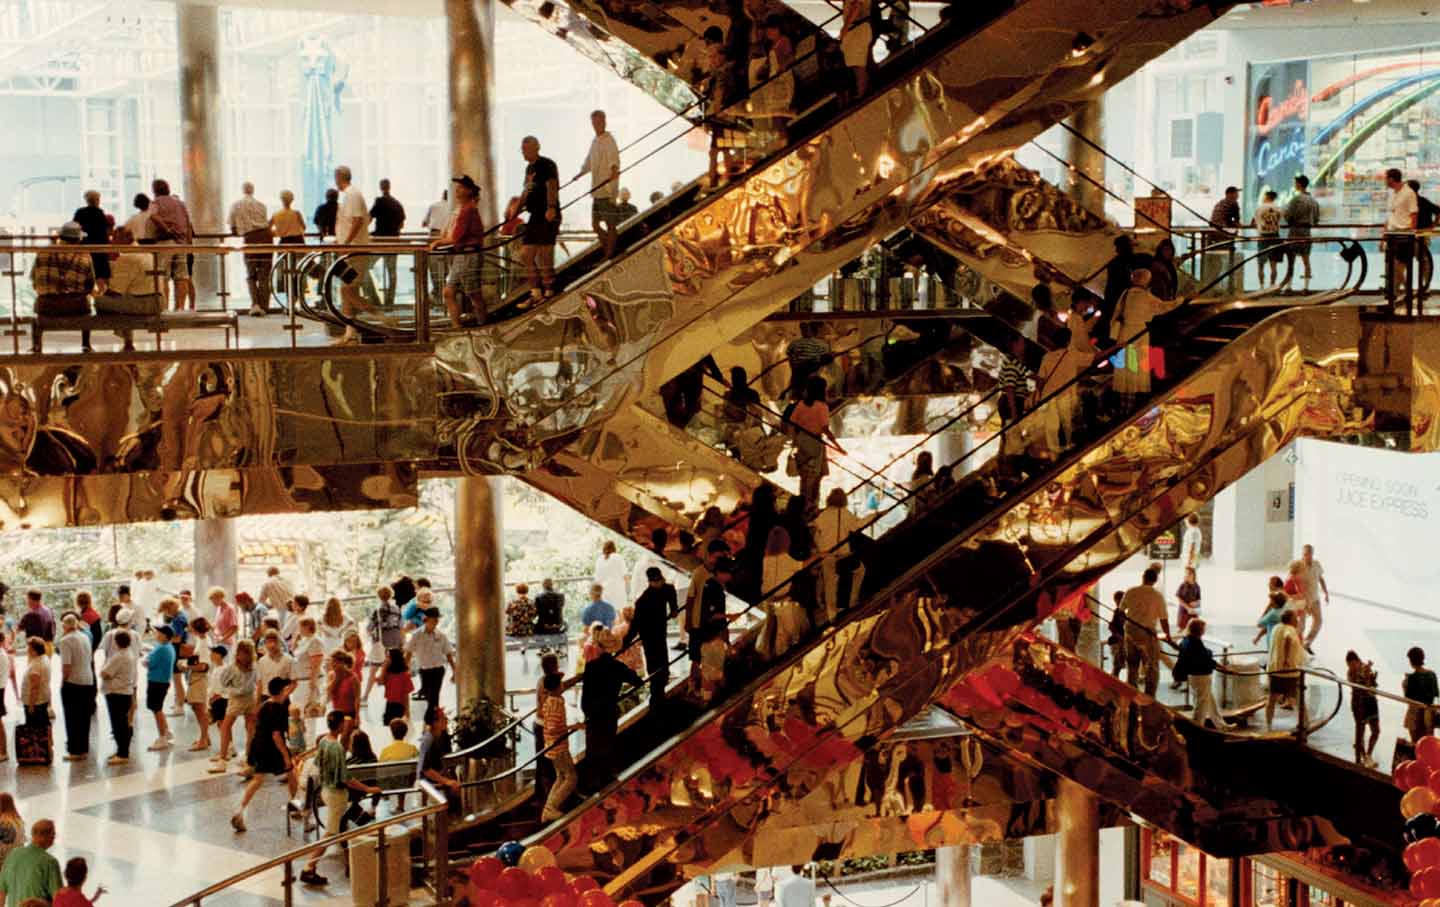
x=126, y=325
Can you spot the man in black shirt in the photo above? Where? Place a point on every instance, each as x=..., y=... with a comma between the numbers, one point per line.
x=549, y=610
x=541, y=200
x=389, y=217
x=324, y=216
x=651, y=626
x=600, y=703
x=96, y=224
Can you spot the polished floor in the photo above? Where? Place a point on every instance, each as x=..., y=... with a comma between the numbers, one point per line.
x=158, y=829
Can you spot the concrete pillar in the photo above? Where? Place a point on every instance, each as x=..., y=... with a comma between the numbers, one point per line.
x=1077, y=851
x=198, y=42
x=479, y=592
x=955, y=447
x=952, y=875
x=214, y=560
x=470, y=31
x=1085, y=159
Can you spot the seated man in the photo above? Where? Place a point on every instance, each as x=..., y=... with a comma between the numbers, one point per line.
x=132, y=290
x=63, y=280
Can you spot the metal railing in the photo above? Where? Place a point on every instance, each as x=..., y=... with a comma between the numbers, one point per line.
x=435, y=852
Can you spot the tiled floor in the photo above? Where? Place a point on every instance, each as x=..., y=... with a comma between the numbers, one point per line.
x=158, y=829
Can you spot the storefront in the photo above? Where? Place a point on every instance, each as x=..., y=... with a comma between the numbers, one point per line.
x=1174, y=874
x=1343, y=120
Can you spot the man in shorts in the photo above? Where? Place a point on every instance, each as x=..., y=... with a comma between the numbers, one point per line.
x=352, y=227
x=541, y=200
x=603, y=165
x=169, y=224
x=465, y=237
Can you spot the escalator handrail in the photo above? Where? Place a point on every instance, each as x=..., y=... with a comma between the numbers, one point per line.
x=1096, y=368
x=1228, y=671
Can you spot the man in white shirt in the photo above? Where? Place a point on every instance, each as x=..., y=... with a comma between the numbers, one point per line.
x=352, y=227
x=429, y=651
x=1403, y=218
x=77, y=687
x=274, y=663
x=1191, y=542
x=603, y=164
x=610, y=572
x=796, y=891
x=145, y=595
x=250, y=221
x=437, y=221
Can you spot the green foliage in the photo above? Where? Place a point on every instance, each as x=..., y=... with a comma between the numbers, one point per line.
x=477, y=721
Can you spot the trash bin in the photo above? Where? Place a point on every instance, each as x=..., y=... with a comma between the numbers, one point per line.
x=1242, y=685
x=365, y=868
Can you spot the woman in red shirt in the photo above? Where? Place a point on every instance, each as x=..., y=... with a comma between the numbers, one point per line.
x=810, y=421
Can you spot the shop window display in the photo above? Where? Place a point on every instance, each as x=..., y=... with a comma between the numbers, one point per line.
x=1267, y=886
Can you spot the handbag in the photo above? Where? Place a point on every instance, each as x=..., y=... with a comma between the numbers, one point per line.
x=792, y=468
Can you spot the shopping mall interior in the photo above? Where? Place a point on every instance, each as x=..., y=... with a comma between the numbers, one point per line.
x=859, y=453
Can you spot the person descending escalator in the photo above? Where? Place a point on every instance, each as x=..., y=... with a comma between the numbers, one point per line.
x=604, y=677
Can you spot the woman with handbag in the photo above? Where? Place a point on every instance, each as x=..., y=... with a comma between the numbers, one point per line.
x=1132, y=319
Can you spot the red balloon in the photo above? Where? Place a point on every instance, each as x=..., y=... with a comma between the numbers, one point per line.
x=482, y=897
x=1423, y=854
x=513, y=884
x=1407, y=775
x=559, y=899
x=1427, y=752
x=1429, y=883
x=552, y=880
x=583, y=884
x=631, y=903
x=596, y=898
x=484, y=872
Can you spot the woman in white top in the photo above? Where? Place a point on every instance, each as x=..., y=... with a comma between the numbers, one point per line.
x=787, y=619
x=832, y=527
x=309, y=695
x=1132, y=316
x=334, y=626
x=197, y=694
x=35, y=685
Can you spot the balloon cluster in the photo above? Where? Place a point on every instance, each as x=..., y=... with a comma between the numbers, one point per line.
x=520, y=876
x=1420, y=779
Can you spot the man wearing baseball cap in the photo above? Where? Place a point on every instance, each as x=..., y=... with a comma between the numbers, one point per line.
x=63, y=279
x=465, y=238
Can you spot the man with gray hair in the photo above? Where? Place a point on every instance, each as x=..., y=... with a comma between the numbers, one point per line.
x=603, y=164
x=170, y=224
x=352, y=227
x=541, y=200
x=77, y=687
x=96, y=224
x=251, y=222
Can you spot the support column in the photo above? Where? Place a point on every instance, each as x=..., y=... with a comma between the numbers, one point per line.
x=1077, y=857
x=470, y=31
x=214, y=560
x=479, y=592
x=952, y=875
x=1089, y=121
x=198, y=41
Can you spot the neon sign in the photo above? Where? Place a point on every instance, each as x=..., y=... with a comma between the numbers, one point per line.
x=1269, y=157
x=1269, y=115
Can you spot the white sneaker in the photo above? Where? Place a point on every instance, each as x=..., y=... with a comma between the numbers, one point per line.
x=117, y=760
x=158, y=745
x=218, y=767
x=175, y=713
x=257, y=312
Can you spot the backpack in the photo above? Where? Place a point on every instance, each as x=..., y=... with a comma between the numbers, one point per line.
x=1428, y=210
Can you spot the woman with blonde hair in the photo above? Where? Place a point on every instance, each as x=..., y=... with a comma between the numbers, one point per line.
x=334, y=626
x=12, y=827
